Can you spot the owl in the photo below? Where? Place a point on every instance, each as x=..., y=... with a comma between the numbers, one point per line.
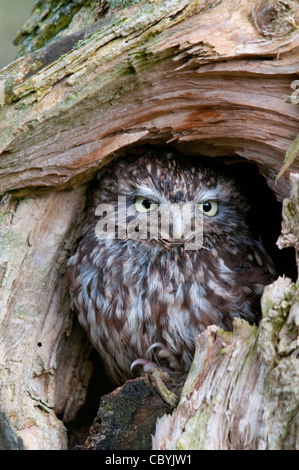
x=166, y=251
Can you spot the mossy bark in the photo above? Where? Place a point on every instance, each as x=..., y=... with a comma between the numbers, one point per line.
x=94, y=80
x=155, y=72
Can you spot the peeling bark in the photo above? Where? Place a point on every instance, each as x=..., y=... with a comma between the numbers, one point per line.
x=36, y=238
x=155, y=72
x=290, y=219
x=208, y=77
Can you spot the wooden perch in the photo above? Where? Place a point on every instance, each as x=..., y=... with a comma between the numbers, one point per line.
x=127, y=416
x=207, y=77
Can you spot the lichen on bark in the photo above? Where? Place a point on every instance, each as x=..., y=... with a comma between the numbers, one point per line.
x=51, y=19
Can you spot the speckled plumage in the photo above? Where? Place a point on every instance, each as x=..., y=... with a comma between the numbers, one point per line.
x=129, y=294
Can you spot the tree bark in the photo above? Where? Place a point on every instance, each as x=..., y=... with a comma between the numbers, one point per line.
x=211, y=78
x=166, y=71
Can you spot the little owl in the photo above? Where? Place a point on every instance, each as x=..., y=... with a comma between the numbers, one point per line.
x=144, y=293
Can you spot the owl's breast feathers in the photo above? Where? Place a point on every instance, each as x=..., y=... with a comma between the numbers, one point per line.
x=129, y=296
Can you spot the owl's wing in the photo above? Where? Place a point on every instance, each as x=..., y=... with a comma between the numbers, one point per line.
x=252, y=269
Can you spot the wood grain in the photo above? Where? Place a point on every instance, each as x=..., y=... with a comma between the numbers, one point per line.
x=172, y=74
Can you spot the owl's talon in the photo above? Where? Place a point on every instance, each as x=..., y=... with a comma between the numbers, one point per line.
x=147, y=365
x=163, y=349
x=164, y=352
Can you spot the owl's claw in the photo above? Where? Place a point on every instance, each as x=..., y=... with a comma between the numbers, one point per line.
x=165, y=353
x=150, y=365
x=147, y=365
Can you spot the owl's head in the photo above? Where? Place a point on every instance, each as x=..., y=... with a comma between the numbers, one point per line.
x=165, y=198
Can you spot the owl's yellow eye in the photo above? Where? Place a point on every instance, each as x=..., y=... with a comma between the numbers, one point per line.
x=143, y=204
x=210, y=208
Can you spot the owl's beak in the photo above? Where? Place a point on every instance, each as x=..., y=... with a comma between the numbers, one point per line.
x=178, y=226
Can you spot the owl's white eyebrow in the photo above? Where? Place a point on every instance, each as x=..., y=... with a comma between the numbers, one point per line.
x=209, y=195
x=147, y=191
x=203, y=194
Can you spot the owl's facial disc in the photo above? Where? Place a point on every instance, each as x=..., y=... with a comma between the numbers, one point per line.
x=169, y=223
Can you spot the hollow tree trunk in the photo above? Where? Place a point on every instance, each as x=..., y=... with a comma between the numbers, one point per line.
x=212, y=78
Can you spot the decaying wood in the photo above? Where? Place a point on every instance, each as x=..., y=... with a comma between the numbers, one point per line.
x=127, y=416
x=243, y=389
x=290, y=219
x=43, y=371
x=165, y=71
x=207, y=77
